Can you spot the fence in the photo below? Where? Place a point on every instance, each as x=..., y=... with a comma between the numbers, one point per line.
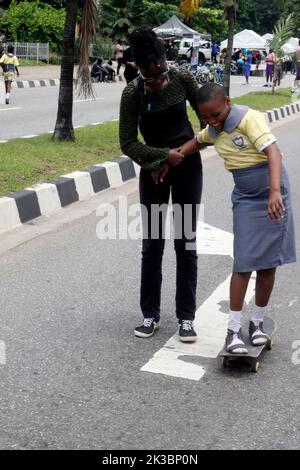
x=28, y=50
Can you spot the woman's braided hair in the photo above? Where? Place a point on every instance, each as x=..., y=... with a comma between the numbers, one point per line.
x=148, y=48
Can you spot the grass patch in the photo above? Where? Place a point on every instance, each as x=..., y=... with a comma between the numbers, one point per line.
x=30, y=62
x=262, y=101
x=24, y=162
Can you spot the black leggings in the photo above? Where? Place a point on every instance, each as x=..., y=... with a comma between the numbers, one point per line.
x=120, y=63
x=185, y=184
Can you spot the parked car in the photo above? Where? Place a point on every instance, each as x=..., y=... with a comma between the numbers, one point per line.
x=184, y=51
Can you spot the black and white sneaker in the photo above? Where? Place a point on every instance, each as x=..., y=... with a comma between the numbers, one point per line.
x=147, y=328
x=257, y=334
x=186, y=333
x=234, y=342
x=6, y=100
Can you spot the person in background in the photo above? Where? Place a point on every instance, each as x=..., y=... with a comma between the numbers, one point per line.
x=111, y=71
x=297, y=79
x=9, y=63
x=119, y=50
x=168, y=48
x=257, y=58
x=247, y=65
x=270, y=62
x=215, y=50
x=99, y=71
x=278, y=72
x=131, y=70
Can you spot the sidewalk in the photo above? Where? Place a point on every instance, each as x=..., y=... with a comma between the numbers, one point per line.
x=40, y=72
x=39, y=76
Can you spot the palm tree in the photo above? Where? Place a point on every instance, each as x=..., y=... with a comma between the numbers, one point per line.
x=282, y=32
x=64, y=125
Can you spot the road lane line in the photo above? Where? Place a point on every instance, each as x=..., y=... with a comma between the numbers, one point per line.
x=89, y=99
x=211, y=320
x=10, y=109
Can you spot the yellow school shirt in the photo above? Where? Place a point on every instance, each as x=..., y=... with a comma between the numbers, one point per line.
x=241, y=142
x=10, y=61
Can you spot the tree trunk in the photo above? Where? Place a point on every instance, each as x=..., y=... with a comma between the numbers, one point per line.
x=64, y=125
x=231, y=26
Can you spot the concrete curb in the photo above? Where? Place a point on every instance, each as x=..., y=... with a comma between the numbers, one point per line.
x=36, y=83
x=45, y=198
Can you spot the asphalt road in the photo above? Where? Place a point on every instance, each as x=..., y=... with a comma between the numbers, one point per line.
x=70, y=373
x=32, y=111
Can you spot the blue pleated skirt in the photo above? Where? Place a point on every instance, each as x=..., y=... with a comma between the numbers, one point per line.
x=260, y=243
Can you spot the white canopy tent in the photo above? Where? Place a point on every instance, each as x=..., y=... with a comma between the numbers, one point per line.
x=267, y=36
x=289, y=47
x=246, y=39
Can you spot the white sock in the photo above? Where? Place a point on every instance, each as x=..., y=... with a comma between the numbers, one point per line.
x=234, y=323
x=7, y=95
x=259, y=314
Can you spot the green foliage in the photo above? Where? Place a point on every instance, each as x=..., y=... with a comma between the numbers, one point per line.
x=281, y=34
x=261, y=16
x=118, y=18
x=33, y=22
x=208, y=20
x=102, y=47
x=157, y=13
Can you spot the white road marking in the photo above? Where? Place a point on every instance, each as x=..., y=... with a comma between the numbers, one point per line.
x=89, y=99
x=211, y=318
x=28, y=136
x=10, y=109
x=292, y=302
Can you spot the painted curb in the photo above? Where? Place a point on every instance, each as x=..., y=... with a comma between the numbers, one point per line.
x=48, y=197
x=36, y=83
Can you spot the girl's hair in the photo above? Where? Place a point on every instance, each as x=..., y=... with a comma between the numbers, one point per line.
x=148, y=48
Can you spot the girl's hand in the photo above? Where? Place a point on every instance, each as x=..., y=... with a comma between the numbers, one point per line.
x=175, y=157
x=275, y=205
x=158, y=176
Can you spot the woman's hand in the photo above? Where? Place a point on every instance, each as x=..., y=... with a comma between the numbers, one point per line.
x=175, y=157
x=275, y=205
x=158, y=176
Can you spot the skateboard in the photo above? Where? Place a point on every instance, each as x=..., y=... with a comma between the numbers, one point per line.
x=254, y=352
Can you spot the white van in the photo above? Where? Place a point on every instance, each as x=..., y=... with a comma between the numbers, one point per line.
x=204, y=50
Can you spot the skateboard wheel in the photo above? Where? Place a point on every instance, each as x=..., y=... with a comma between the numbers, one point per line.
x=255, y=366
x=269, y=345
x=225, y=362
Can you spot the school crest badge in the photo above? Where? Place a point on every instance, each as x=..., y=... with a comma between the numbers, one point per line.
x=239, y=142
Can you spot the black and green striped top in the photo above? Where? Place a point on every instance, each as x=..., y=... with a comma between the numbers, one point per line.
x=161, y=118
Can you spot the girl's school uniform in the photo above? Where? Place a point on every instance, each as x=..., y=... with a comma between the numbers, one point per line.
x=259, y=243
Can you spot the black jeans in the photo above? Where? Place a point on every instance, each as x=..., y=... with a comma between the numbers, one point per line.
x=185, y=184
